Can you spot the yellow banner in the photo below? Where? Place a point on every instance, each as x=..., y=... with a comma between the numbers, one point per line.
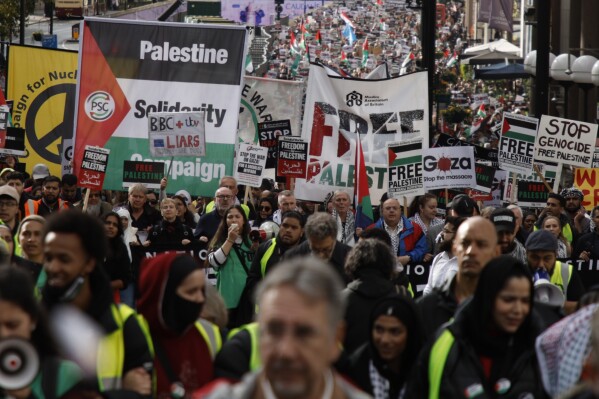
x=586, y=180
x=41, y=82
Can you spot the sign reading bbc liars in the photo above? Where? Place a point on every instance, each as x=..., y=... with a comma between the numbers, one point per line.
x=174, y=134
x=586, y=179
x=12, y=141
x=405, y=168
x=251, y=162
x=148, y=173
x=516, y=147
x=268, y=133
x=565, y=141
x=93, y=167
x=292, y=158
x=447, y=167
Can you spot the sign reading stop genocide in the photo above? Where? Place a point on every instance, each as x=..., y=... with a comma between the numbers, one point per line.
x=565, y=141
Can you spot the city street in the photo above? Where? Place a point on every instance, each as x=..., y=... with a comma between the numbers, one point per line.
x=61, y=28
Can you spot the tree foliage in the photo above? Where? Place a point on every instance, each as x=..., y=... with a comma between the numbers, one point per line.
x=9, y=16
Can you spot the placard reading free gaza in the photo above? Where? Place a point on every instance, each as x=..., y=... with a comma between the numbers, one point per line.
x=565, y=141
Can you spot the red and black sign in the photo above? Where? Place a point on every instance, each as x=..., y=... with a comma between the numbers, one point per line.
x=292, y=157
x=269, y=133
x=147, y=173
x=93, y=167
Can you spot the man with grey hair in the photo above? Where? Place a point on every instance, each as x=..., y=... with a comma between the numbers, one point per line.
x=287, y=202
x=344, y=217
x=321, y=241
x=208, y=223
x=143, y=216
x=300, y=327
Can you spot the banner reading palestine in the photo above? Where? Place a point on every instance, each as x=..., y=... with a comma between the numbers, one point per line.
x=161, y=67
x=339, y=110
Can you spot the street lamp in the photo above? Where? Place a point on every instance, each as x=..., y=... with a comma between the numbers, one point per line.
x=582, y=74
x=561, y=72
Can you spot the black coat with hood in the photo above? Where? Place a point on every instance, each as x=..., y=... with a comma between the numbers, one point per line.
x=511, y=364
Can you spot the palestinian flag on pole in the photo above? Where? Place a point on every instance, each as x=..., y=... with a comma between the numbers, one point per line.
x=365, y=52
x=295, y=48
x=318, y=38
x=295, y=65
x=364, y=214
x=481, y=111
x=5, y=119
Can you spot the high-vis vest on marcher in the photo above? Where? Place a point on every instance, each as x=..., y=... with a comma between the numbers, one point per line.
x=252, y=329
x=111, y=351
x=561, y=276
x=267, y=255
x=33, y=206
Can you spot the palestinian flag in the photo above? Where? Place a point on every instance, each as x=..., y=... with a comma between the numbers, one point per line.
x=295, y=48
x=295, y=65
x=5, y=119
x=365, y=52
x=453, y=60
x=481, y=111
x=318, y=38
x=343, y=56
x=364, y=214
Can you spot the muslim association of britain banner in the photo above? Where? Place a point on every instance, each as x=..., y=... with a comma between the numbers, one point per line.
x=161, y=67
x=42, y=85
x=339, y=111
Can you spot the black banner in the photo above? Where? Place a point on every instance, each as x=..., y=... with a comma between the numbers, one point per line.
x=12, y=141
x=587, y=271
x=481, y=154
x=148, y=173
x=164, y=52
x=484, y=177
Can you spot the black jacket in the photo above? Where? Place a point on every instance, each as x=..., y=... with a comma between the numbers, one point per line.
x=361, y=295
x=437, y=308
x=337, y=259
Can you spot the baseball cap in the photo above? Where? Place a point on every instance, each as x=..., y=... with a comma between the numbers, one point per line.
x=40, y=171
x=185, y=194
x=504, y=220
x=541, y=240
x=10, y=192
x=463, y=205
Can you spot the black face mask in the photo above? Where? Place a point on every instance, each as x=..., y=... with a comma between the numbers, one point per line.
x=53, y=295
x=181, y=313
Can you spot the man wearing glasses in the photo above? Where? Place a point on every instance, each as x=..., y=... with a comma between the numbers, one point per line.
x=208, y=223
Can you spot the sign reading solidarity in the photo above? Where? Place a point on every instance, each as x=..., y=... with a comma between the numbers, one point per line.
x=250, y=164
x=565, y=141
x=147, y=173
x=173, y=134
x=448, y=167
x=269, y=132
x=516, y=147
x=292, y=157
x=586, y=180
x=405, y=168
x=12, y=141
x=93, y=167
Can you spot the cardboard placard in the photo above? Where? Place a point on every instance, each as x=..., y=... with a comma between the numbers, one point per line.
x=269, y=133
x=448, y=167
x=292, y=158
x=174, y=134
x=250, y=164
x=565, y=141
x=484, y=178
x=405, y=169
x=93, y=167
x=586, y=180
x=147, y=173
x=516, y=148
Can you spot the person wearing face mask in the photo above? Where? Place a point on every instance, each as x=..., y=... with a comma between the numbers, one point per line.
x=172, y=294
x=75, y=247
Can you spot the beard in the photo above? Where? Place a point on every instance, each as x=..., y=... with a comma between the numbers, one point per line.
x=93, y=209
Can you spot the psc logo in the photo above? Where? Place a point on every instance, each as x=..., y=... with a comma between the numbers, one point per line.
x=353, y=98
x=99, y=106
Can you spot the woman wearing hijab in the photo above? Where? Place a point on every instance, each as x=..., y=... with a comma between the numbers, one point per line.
x=171, y=300
x=382, y=365
x=117, y=264
x=489, y=349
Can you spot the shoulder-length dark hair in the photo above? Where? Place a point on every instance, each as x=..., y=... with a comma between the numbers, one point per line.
x=119, y=227
x=16, y=287
x=223, y=230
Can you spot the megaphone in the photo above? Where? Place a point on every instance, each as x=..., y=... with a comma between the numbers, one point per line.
x=19, y=363
x=271, y=229
x=548, y=293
